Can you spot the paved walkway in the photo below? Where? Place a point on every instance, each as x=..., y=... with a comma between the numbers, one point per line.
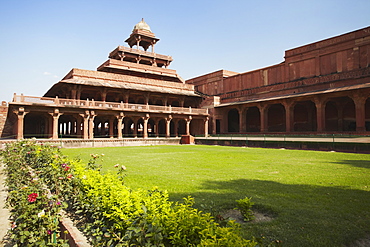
x=4, y=213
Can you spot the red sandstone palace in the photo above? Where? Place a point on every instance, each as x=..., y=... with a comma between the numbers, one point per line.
x=323, y=87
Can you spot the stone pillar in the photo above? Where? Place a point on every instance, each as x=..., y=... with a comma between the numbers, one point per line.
x=214, y=124
x=289, y=115
x=20, y=122
x=119, y=124
x=206, y=126
x=145, y=130
x=91, y=124
x=111, y=127
x=242, y=120
x=188, y=120
x=360, y=102
x=340, y=115
x=78, y=127
x=85, y=117
x=263, y=114
x=320, y=112
x=135, y=119
x=176, y=126
x=168, y=125
x=156, y=122
x=55, y=116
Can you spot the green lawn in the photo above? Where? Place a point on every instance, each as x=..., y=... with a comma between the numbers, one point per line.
x=316, y=198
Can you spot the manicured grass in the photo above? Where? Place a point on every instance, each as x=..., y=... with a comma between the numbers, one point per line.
x=316, y=198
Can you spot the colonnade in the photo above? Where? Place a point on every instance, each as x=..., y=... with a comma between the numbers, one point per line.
x=91, y=124
x=321, y=113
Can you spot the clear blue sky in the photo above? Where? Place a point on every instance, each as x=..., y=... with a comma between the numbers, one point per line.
x=41, y=41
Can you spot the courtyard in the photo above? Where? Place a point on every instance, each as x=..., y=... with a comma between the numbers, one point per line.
x=312, y=198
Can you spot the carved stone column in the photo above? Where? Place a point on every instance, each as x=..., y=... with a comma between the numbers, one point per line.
x=168, y=125
x=206, y=120
x=320, y=112
x=360, y=101
x=145, y=130
x=263, y=114
x=55, y=114
x=20, y=112
x=289, y=115
x=91, y=124
x=176, y=127
x=188, y=120
x=119, y=124
x=85, y=117
x=111, y=127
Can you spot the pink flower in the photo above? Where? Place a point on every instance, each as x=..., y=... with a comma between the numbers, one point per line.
x=32, y=197
x=59, y=203
x=49, y=232
x=69, y=176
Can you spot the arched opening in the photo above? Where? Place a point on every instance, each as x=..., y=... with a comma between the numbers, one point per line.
x=140, y=127
x=37, y=125
x=367, y=114
x=331, y=116
x=253, y=119
x=151, y=128
x=349, y=115
x=304, y=116
x=181, y=127
x=162, y=128
x=128, y=127
x=68, y=127
x=276, y=118
x=233, y=120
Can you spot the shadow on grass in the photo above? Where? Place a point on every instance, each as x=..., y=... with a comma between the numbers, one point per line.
x=356, y=163
x=306, y=215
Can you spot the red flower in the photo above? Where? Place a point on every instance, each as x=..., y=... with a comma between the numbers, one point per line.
x=67, y=168
x=69, y=176
x=32, y=197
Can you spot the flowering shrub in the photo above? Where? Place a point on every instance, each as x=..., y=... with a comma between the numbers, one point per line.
x=110, y=213
x=34, y=211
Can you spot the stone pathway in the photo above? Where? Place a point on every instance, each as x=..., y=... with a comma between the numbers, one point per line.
x=4, y=212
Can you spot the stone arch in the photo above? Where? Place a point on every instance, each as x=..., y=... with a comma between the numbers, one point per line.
x=233, y=120
x=305, y=116
x=253, y=119
x=276, y=118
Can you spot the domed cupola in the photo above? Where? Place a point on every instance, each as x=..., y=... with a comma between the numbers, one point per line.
x=142, y=36
x=142, y=25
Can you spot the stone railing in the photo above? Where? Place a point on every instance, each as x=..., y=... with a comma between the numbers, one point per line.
x=147, y=53
x=92, y=104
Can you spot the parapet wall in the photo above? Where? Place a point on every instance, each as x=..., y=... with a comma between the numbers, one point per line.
x=106, y=142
